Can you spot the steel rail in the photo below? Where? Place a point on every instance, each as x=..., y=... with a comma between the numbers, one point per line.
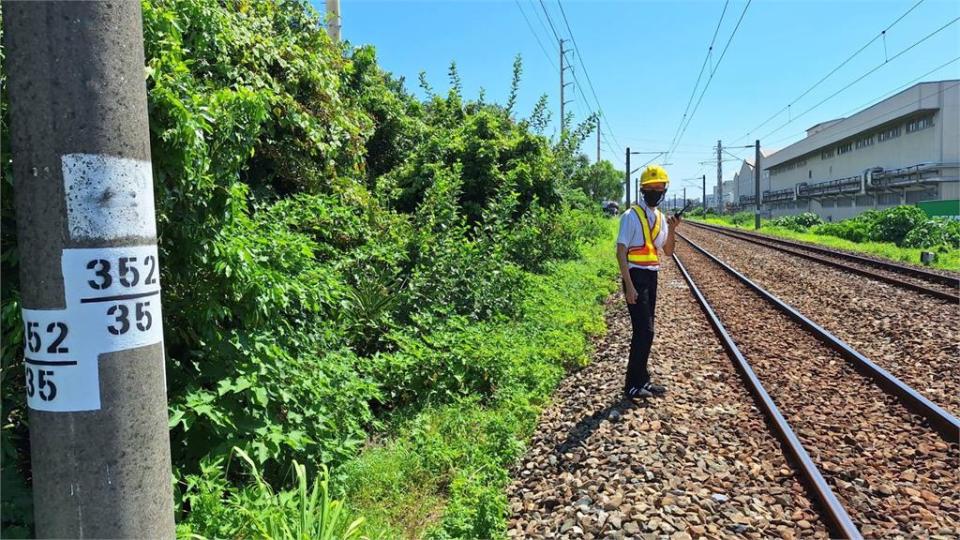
x=837, y=517
x=936, y=293
x=947, y=425
x=918, y=273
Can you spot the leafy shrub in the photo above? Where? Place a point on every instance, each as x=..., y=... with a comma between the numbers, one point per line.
x=258, y=511
x=848, y=229
x=893, y=224
x=742, y=218
x=697, y=212
x=935, y=232
x=799, y=222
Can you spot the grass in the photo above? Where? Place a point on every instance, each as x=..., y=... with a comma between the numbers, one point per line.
x=947, y=260
x=442, y=471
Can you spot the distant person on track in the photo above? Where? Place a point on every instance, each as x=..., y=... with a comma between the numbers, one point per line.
x=644, y=233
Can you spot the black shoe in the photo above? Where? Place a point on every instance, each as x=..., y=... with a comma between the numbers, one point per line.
x=655, y=389
x=637, y=393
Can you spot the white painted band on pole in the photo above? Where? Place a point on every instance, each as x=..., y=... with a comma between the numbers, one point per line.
x=108, y=198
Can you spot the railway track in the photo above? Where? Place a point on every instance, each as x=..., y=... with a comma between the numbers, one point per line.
x=941, y=286
x=879, y=458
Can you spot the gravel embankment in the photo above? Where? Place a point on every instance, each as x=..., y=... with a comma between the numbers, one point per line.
x=896, y=477
x=862, y=265
x=699, y=462
x=911, y=335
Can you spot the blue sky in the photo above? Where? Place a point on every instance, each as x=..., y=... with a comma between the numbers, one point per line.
x=644, y=57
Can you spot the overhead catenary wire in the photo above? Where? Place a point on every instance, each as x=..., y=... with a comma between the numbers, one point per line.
x=710, y=78
x=865, y=75
x=907, y=106
x=550, y=21
x=535, y=34
x=883, y=95
x=834, y=70
x=703, y=66
x=579, y=56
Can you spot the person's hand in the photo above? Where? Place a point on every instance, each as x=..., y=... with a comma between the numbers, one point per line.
x=674, y=221
x=631, y=294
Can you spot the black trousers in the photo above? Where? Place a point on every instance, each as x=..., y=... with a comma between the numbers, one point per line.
x=642, y=318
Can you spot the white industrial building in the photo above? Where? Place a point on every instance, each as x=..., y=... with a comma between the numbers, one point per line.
x=902, y=150
x=728, y=195
x=744, y=183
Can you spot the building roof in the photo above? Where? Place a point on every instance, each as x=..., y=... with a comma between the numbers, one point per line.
x=918, y=98
x=816, y=128
x=763, y=154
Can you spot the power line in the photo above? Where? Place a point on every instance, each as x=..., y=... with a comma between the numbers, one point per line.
x=547, y=14
x=887, y=94
x=535, y=35
x=700, y=75
x=712, y=72
x=579, y=56
x=860, y=78
x=834, y=70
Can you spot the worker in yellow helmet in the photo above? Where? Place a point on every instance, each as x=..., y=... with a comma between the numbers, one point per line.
x=644, y=234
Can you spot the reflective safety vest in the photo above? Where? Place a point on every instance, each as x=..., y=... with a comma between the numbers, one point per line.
x=645, y=255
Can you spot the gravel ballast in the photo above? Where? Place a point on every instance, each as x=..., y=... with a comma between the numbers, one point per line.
x=896, y=477
x=699, y=462
x=913, y=336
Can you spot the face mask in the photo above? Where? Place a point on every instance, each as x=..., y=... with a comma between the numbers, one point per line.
x=652, y=197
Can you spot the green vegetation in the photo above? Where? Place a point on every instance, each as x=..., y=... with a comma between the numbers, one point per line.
x=256, y=511
x=355, y=280
x=899, y=233
x=799, y=222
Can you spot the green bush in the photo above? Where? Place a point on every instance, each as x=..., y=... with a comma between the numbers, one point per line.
x=799, y=222
x=848, y=229
x=893, y=224
x=742, y=218
x=478, y=415
x=936, y=232
x=220, y=510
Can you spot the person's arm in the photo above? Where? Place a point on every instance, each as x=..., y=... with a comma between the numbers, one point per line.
x=668, y=245
x=629, y=289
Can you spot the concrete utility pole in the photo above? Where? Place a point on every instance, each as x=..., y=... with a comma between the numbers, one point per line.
x=334, y=22
x=89, y=273
x=598, y=139
x=563, y=85
x=719, y=178
x=756, y=185
x=627, y=180
x=704, y=201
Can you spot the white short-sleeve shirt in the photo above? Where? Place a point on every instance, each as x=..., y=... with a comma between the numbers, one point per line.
x=631, y=231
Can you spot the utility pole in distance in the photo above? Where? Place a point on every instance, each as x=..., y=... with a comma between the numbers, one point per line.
x=563, y=85
x=627, y=180
x=598, y=139
x=756, y=185
x=89, y=273
x=704, y=201
x=719, y=178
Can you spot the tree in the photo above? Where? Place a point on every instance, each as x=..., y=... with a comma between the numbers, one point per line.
x=600, y=181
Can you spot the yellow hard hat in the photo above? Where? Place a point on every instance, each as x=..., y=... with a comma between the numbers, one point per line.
x=654, y=174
